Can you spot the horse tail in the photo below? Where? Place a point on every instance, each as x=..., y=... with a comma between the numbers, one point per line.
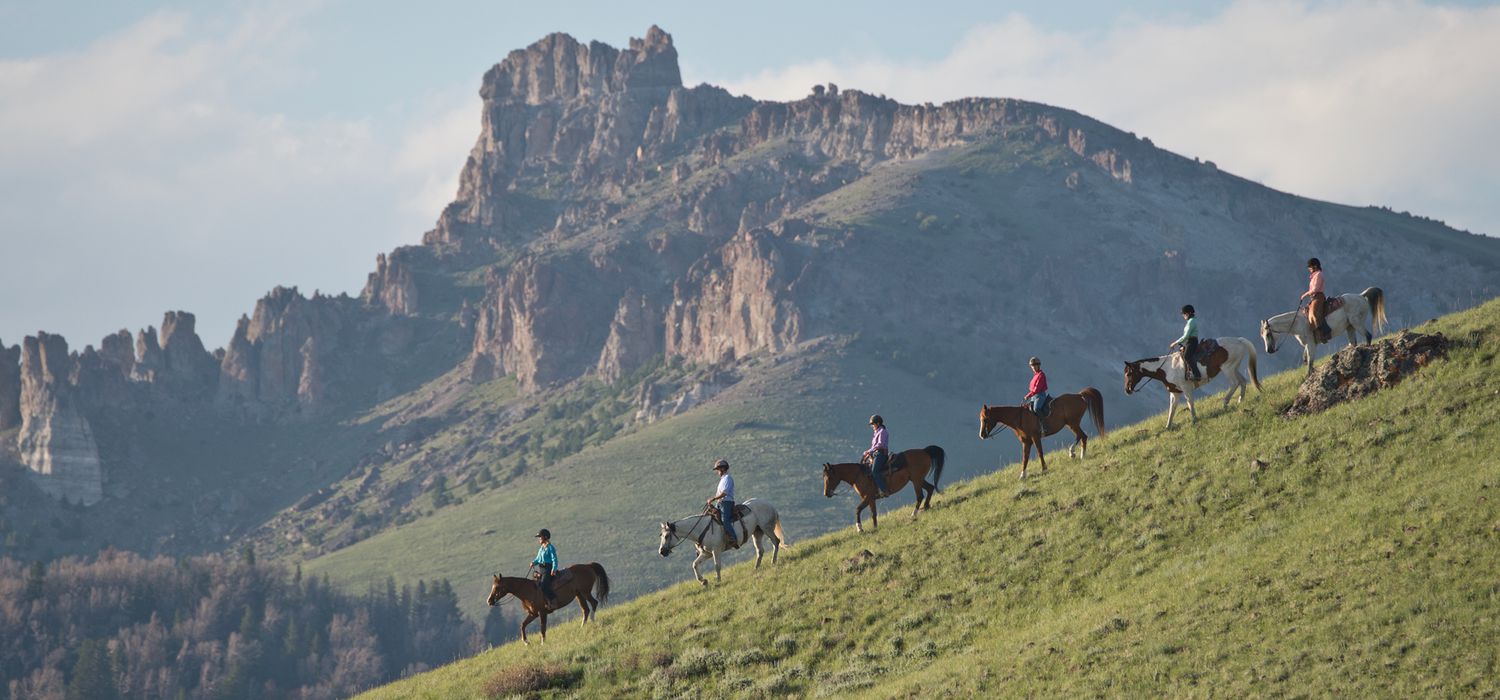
x=1376, y=298
x=1250, y=347
x=602, y=584
x=1093, y=402
x=937, y=456
x=781, y=534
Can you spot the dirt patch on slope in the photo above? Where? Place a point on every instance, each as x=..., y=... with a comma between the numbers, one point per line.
x=1361, y=370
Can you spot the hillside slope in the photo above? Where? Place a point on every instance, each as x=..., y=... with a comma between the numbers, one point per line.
x=1354, y=556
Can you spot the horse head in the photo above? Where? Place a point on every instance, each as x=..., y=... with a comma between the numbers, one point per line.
x=1267, y=336
x=1133, y=376
x=497, y=591
x=668, y=531
x=829, y=482
x=987, y=422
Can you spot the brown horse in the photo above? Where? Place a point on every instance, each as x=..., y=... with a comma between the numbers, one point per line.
x=574, y=583
x=1067, y=410
x=909, y=466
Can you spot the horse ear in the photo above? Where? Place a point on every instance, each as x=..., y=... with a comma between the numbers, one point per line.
x=986, y=407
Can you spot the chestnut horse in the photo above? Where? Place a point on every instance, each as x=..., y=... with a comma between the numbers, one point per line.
x=911, y=465
x=1067, y=411
x=574, y=583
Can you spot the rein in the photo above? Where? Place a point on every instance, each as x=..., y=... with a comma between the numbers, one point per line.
x=672, y=532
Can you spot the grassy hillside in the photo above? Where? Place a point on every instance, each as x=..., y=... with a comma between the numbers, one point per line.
x=603, y=504
x=1356, y=558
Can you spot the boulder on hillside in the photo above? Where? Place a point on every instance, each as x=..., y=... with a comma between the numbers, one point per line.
x=1361, y=370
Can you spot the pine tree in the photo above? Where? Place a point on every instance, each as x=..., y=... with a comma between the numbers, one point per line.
x=92, y=678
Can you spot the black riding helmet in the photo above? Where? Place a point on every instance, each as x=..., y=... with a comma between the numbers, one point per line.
x=877, y=420
x=1188, y=309
x=544, y=533
x=1314, y=263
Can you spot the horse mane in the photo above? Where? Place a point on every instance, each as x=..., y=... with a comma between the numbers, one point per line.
x=1145, y=359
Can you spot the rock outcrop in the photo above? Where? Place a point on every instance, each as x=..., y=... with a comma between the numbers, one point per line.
x=1360, y=370
x=10, y=386
x=543, y=321
x=736, y=304
x=289, y=335
x=635, y=336
x=393, y=284
x=56, y=441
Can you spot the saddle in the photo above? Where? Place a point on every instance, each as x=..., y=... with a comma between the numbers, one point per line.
x=1211, y=356
x=1333, y=304
x=740, y=511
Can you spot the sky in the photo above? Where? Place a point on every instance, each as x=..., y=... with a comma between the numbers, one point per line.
x=193, y=155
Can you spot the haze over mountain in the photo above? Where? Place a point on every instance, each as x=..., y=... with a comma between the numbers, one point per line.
x=638, y=276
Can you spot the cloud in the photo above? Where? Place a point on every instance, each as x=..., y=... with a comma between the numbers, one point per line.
x=1361, y=102
x=433, y=152
x=143, y=172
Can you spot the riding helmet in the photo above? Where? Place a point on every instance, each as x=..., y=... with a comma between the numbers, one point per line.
x=1188, y=309
x=877, y=420
x=544, y=532
x=721, y=464
x=1314, y=263
x=1034, y=362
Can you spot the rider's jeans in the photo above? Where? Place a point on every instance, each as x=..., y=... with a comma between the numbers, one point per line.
x=726, y=511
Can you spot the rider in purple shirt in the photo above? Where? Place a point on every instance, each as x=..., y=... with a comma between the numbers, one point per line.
x=879, y=452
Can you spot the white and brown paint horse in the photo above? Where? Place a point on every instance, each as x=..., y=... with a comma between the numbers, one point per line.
x=1359, y=313
x=1169, y=371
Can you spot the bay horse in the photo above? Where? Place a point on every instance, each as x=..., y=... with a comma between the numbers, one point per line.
x=708, y=535
x=1359, y=313
x=576, y=582
x=1169, y=371
x=1067, y=411
x=908, y=466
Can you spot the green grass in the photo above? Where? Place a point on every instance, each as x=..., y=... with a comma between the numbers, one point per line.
x=1359, y=561
x=603, y=504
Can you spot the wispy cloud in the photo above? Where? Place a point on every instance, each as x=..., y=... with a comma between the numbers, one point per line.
x=1363, y=102
x=143, y=172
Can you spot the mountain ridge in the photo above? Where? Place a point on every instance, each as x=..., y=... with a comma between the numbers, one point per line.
x=623, y=248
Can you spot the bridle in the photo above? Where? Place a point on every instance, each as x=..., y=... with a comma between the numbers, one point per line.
x=673, y=537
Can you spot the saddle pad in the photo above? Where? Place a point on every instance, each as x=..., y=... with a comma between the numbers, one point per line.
x=1207, y=346
x=562, y=579
x=1335, y=303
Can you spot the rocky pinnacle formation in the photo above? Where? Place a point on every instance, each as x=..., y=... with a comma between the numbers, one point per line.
x=56, y=440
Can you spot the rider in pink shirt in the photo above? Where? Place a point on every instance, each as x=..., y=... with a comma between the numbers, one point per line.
x=1036, y=394
x=1317, y=301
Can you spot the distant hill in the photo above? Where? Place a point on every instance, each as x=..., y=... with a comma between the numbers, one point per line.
x=637, y=277
x=1349, y=552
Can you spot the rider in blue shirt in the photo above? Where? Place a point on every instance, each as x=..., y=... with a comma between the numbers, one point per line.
x=725, y=499
x=546, y=561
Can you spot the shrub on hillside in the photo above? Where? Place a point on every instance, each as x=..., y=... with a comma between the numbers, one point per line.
x=530, y=678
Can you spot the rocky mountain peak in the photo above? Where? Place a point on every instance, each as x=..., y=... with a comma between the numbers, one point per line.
x=560, y=68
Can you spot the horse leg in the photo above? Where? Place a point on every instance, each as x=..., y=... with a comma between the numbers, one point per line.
x=874, y=518
x=859, y=525
x=1171, y=408
x=544, y=628
x=529, y=617
x=1188, y=397
x=755, y=541
x=702, y=555
x=1040, y=455
x=916, y=489
x=1025, y=457
x=717, y=576
x=584, y=606
x=1081, y=440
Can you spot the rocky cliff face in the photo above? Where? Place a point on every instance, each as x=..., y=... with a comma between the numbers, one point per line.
x=56, y=441
x=608, y=216
x=10, y=386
